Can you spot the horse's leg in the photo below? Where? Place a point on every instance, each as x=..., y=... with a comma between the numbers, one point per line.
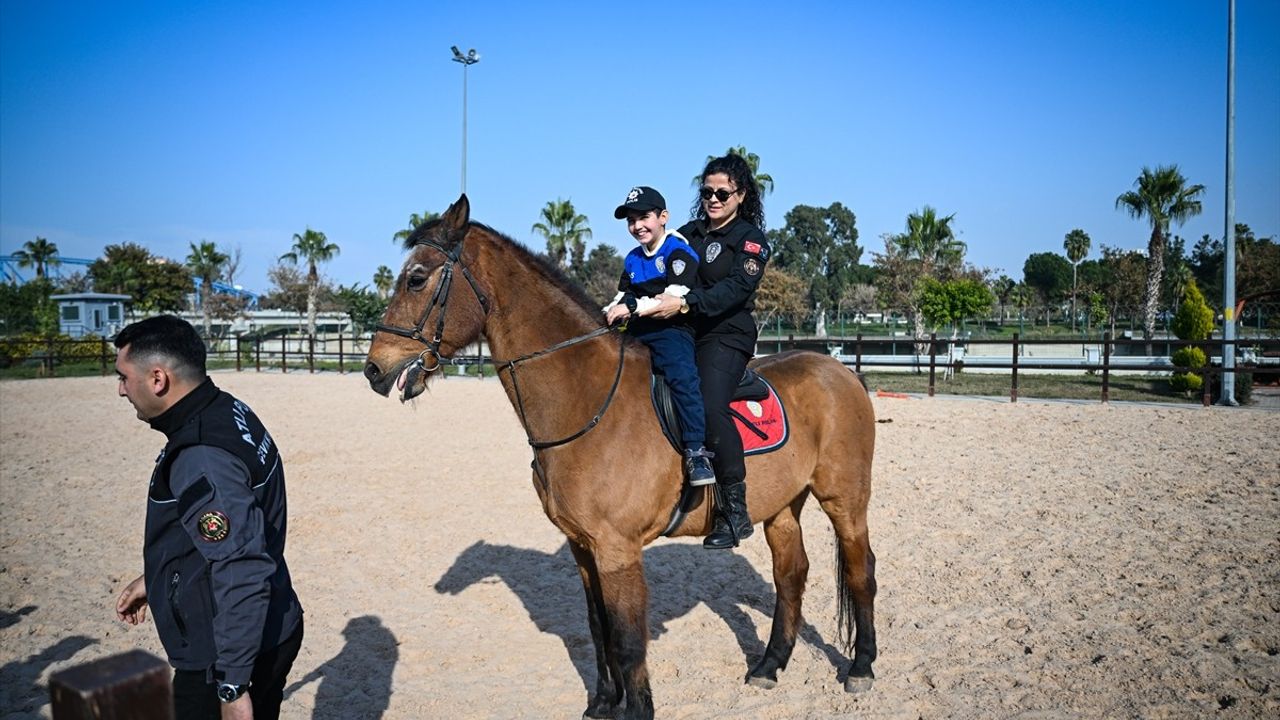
x=790, y=571
x=606, y=701
x=625, y=601
x=856, y=580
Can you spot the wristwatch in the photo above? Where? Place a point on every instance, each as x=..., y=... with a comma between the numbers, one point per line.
x=230, y=693
x=684, y=305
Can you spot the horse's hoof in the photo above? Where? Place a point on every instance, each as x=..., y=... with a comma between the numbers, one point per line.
x=761, y=682
x=858, y=684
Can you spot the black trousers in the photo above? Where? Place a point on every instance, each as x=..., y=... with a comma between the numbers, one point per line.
x=720, y=368
x=196, y=698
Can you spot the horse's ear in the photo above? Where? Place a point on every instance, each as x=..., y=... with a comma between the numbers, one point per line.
x=458, y=215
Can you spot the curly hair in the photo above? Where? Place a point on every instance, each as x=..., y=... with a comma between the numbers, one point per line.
x=739, y=172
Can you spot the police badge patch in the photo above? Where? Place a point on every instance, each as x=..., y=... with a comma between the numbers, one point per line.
x=752, y=266
x=659, y=263
x=214, y=526
x=713, y=252
x=677, y=267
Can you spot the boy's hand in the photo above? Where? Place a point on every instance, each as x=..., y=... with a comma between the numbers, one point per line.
x=615, y=314
x=666, y=308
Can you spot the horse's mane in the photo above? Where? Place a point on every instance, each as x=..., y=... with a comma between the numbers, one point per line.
x=527, y=257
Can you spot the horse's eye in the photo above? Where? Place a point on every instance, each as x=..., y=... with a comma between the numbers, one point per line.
x=417, y=282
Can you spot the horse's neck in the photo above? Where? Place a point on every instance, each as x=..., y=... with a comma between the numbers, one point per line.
x=530, y=312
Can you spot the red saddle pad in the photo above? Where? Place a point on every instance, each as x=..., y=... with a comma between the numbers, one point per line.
x=761, y=423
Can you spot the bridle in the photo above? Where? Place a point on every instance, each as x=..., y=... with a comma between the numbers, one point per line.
x=441, y=297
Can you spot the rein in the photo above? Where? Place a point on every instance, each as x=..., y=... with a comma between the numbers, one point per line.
x=441, y=297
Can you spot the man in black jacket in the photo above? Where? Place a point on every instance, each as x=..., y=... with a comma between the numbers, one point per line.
x=214, y=575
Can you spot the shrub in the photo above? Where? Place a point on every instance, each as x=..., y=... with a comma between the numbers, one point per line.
x=1190, y=357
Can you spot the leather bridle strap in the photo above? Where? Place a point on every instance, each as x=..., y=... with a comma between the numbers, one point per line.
x=439, y=297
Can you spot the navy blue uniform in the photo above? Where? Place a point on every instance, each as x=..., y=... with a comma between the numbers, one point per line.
x=216, y=578
x=733, y=260
x=670, y=342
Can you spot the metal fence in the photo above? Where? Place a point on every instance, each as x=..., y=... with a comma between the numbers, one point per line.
x=343, y=353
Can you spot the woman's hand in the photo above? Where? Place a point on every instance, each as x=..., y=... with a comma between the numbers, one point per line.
x=668, y=306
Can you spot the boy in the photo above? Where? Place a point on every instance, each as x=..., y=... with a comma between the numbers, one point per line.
x=664, y=263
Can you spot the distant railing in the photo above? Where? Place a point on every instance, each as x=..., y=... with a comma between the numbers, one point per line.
x=344, y=353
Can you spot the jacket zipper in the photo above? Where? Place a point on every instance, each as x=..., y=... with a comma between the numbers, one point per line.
x=174, y=606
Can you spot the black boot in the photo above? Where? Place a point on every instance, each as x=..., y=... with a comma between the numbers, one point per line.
x=733, y=522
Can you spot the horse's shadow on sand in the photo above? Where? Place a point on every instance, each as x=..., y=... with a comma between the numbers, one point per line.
x=680, y=577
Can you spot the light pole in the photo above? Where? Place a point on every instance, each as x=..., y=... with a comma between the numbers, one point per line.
x=471, y=58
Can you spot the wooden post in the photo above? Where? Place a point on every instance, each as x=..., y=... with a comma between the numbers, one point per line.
x=257, y=354
x=933, y=360
x=341, y=367
x=49, y=359
x=284, y=353
x=311, y=353
x=130, y=686
x=1013, y=389
x=1106, y=366
x=857, y=355
x=237, y=352
x=104, y=356
x=1205, y=397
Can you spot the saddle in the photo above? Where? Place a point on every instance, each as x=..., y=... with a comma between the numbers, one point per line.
x=762, y=424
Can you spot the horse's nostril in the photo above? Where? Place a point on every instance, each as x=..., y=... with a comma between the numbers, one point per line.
x=372, y=372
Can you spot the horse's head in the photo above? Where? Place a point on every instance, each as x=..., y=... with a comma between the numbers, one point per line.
x=436, y=310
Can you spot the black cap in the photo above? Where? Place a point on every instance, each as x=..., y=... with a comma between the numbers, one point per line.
x=640, y=199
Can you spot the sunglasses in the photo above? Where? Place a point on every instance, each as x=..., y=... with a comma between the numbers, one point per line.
x=721, y=194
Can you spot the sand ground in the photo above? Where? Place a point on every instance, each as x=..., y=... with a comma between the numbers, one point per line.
x=1036, y=560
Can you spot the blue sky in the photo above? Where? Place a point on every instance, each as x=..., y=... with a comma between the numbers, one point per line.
x=244, y=123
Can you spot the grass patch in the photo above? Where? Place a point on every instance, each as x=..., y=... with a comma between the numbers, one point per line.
x=1071, y=387
x=35, y=369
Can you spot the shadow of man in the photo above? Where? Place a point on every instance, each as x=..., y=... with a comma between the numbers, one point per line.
x=680, y=576
x=355, y=683
x=20, y=689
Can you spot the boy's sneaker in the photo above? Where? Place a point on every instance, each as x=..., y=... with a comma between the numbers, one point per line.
x=697, y=467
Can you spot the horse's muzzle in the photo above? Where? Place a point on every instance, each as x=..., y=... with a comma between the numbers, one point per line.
x=380, y=382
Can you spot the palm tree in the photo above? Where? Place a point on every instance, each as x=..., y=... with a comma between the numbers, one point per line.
x=415, y=221
x=1076, y=244
x=764, y=181
x=38, y=253
x=313, y=247
x=1162, y=197
x=383, y=279
x=564, y=229
x=931, y=247
x=206, y=263
x=1003, y=288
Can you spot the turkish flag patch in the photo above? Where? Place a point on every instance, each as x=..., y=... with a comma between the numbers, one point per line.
x=751, y=247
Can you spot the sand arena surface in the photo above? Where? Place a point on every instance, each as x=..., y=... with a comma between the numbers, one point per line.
x=1037, y=560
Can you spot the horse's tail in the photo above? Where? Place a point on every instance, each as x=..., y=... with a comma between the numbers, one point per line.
x=845, y=625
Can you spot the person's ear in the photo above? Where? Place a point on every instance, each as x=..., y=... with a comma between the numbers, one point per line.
x=662, y=217
x=159, y=381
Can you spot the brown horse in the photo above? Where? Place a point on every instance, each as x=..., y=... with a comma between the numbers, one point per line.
x=605, y=475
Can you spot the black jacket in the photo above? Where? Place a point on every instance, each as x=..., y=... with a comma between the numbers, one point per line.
x=733, y=260
x=217, y=582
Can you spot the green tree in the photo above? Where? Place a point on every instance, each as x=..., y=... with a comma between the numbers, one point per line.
x=415, y=221
x=1049, y=275
x=928, y=248
x=564, y=229
x=1163, y=197
x=384, y=280
x=1076, y=243
x=764, y=181
x=39, y=253
x=819, y=245
x=313, y=247
x=154, y=284
x=206, y=263
x=363, y=306
x=1122, y=274
x=603, y=269
x=289, y=290
x=1193, y=321
x=26, y=308
x=950, y=302
x=1002, y=288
